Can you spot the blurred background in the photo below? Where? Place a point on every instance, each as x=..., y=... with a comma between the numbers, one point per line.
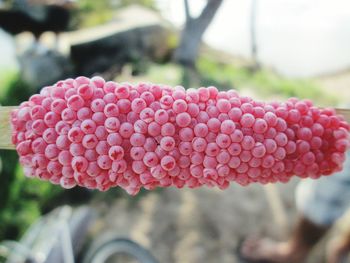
x=267, y=49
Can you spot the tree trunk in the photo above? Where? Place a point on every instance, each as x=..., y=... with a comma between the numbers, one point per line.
x=191, y=36
x=253, y=33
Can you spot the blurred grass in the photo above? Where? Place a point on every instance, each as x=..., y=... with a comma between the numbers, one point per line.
x=264, y=83
x=6, y=78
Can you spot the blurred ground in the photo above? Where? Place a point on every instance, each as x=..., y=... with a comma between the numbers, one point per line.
x=202, y=225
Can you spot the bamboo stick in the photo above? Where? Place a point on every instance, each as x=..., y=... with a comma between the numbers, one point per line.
x=5, y=128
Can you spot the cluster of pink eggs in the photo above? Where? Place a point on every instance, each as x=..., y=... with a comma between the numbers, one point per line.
x=99, y=134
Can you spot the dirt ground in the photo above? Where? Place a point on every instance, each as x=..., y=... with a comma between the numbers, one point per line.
x=202, y=225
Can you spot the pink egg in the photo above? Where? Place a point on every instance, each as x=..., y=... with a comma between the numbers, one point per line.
x=112, y=124
x=137, y=153
x=122, y=91
x=186, y=134
x=167, y=143
x=183, y=119
x=167, y=163
x=223, y=140
x=167, y=129
x=75, y=102
x=260, y=126
x=111, y=110
x=223, y=157
x=79, y=164
x=212, y=149
x=104, y=162
x=247, y=120
x=214, y=125
x=223, y=105
x=138, y=104
x=89, y=141
x=235, y=114
x=203, y=94
x=126, y=130
x=199, y=144
x=150, y=159
x=259, y=150
x=91, y=154
x=116, y=153
x=98, y=105
x=248, y=142
x=180, y=106
x=86, y=91
x=193, y=109
x=227, y=127
x=161, y=116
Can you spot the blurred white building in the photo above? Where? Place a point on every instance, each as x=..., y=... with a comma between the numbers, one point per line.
x=298, y=38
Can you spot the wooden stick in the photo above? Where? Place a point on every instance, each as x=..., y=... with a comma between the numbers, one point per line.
x=345, y=113
x=5, y=126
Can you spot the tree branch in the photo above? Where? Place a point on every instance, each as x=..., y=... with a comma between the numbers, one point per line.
x=191, y=36
x=208, y=13
x=187, y=11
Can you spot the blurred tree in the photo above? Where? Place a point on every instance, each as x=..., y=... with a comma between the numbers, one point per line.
x=191, y=36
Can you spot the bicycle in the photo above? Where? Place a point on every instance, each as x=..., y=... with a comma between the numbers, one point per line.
x=59, y=238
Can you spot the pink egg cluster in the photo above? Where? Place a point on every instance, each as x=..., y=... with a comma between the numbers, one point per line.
x=99, y=134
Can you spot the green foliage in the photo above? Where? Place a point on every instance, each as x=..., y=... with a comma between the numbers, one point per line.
x=169, y=74
x=24, y=204
x=146, y=3
x=14, y=90
x=7, y=77
x=173, y=41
